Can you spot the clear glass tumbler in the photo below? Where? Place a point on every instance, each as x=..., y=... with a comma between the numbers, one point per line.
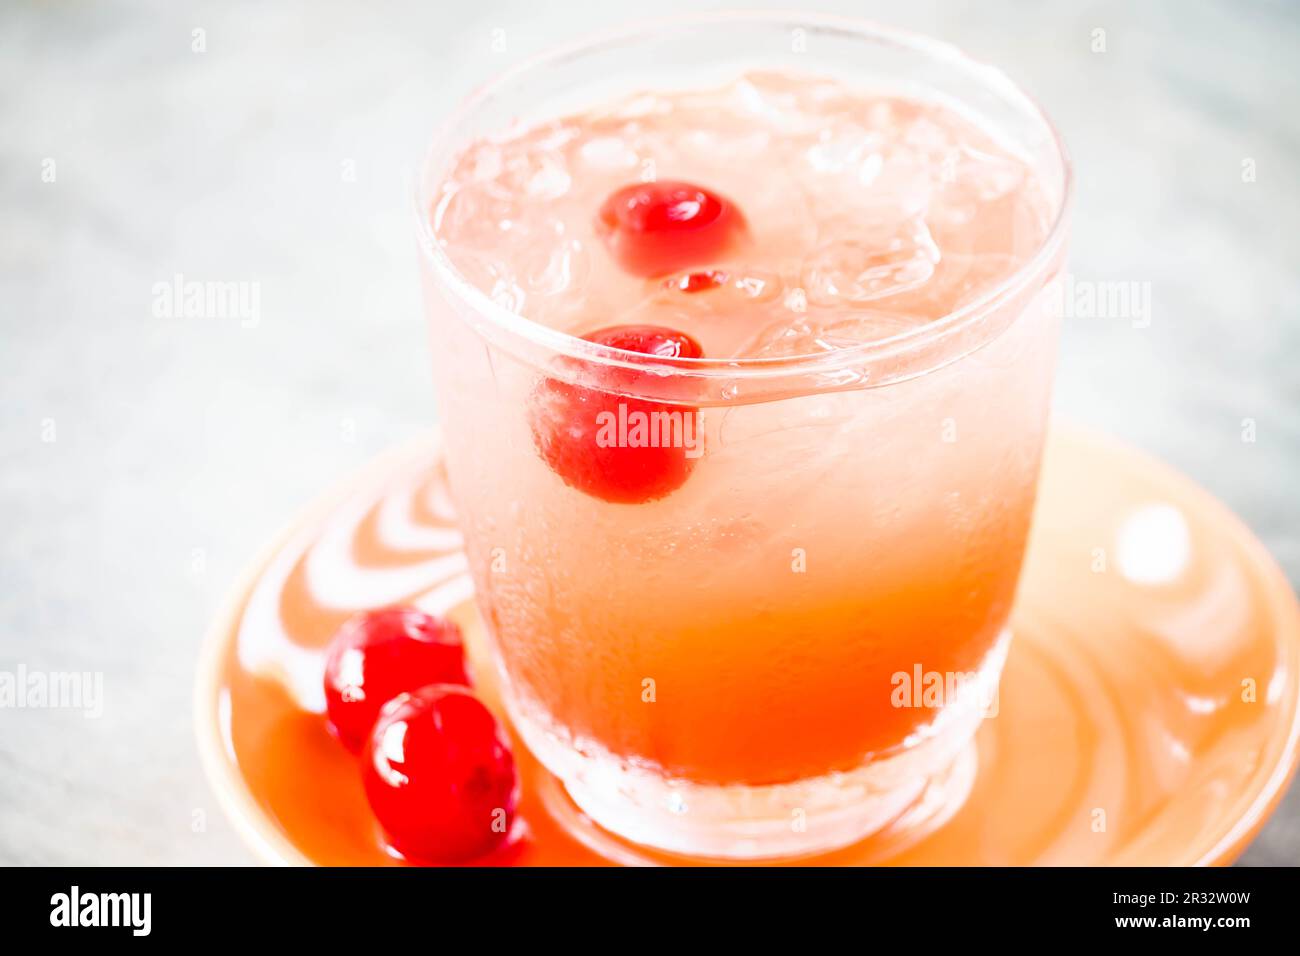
x=794, y=649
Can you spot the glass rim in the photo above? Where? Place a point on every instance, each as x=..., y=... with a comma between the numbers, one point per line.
x=562, y=343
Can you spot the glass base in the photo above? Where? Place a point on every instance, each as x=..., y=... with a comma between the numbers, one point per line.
x=915, y=787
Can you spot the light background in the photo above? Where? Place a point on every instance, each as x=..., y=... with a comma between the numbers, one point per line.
x=188, y=439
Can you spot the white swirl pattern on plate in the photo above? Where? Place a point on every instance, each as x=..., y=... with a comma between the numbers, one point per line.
x=336, y=581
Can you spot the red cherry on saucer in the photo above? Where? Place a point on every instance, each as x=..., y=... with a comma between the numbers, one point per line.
x=379, y=654
x=439, y=775
x=573, y=425
x=655, y=228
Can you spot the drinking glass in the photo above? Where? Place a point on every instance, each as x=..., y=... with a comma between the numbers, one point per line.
x=793, y=650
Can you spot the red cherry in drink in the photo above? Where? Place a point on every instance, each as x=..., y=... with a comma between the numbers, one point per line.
x=692, y=282
x=577, y=432
x=439, y=775
x=652, y=229
x=648, y=340
x=377, y=655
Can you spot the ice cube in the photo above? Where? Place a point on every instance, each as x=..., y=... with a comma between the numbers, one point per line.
x=550, y=180
x=608, y=152
x=817, y=333
x=555, y=269
x=871, y=266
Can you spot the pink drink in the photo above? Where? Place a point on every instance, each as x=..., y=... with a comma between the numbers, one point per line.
x=868, y=215
x=716, y=669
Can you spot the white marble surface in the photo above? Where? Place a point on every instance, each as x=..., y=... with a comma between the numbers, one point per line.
x=181, y=444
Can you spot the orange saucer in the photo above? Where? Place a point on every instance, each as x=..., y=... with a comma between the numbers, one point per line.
x=1148, y=713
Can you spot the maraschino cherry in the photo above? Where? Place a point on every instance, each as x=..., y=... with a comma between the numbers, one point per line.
x=700, y=281
x=648, y=340
x=573, y=424
x=652, y=229
x=379, y=654
x=439, y=775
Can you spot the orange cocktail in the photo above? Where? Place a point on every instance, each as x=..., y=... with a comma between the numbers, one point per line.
x=744, y=381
